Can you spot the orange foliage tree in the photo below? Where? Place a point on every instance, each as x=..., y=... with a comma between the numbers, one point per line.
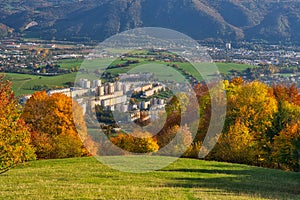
x=54, y=133
x=289, y=93
x=15, y=145
x=287, y=97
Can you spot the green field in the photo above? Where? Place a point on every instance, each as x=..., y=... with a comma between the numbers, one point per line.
x=89, y=64
x=85, y=178
x=226, y=67
x=69, y=63
x=23, y=83
x=102, y=64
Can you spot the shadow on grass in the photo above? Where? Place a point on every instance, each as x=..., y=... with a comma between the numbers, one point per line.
x=259, y=182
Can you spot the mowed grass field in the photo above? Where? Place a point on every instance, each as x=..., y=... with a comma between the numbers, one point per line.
x=86, y=178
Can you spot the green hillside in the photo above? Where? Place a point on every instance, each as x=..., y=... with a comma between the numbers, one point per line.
x=85, y=178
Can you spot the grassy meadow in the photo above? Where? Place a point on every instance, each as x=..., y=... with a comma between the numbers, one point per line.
x=86, y=178
x=69, y=63
x=23, y=83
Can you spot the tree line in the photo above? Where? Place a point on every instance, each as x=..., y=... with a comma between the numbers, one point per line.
x=262, y=127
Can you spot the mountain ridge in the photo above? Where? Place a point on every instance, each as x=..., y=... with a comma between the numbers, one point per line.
x=226, y=20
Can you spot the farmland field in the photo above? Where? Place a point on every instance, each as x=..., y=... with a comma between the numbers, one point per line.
x=24, y=84
x=226, y=67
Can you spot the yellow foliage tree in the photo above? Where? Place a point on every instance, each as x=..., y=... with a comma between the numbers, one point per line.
x=15, y=145
x=250, y=113
x=137, y=142
x=236, y=145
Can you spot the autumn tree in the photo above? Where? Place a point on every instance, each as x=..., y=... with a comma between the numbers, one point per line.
x=175, y=111
x=286, y=143
x=204, y=101
x=250, y=112
x=287, y=96
x=52, y=123
x=212, y=104
x=15, y=145
x=237, y=145
x=286, y=148
x=289, y=93
x=180, y=142
x=137, y=142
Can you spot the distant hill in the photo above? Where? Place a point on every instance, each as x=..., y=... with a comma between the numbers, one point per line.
x=226, y=20
x=4, y=30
